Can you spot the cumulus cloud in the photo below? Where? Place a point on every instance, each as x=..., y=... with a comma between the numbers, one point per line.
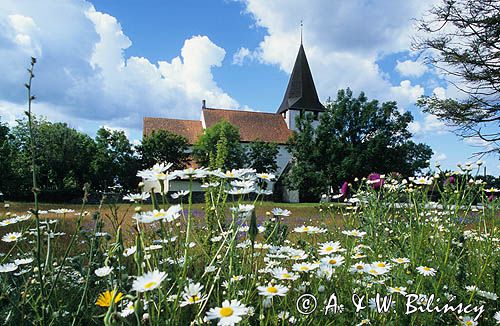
x=430, y=124
x=438, y=157
x=342, y=47
x=411, y=68
x=83, y=75
x=406, y=94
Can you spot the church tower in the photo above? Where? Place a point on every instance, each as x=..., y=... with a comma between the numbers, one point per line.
x=300, y=96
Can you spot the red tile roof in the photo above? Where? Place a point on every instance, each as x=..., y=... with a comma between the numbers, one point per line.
x=268, y=127
x=191, y=129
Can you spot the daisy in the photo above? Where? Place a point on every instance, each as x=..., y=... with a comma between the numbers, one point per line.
x=354, y=233
x=148, y=281
x=265, y=176
x=335, y=261
x=192, y=294
x=397, y=289
x=23, y=261
x=129, y=251
x=331, y=247
x=375, y=270
x=382, y=264
x=9, y=267
x=283, y=274
x=358, y=268
x=128, y=310
x=469, y=321
x=137, y=197
x=423, y=180
x=103, y=271
x=105, y=298
x=178, y=194
x=280, y=212
x=426, y=271
x=401, y=260
x=304, y=267
x=497, y=317
x=272, y=290
x=12, y=236
x=229, y=314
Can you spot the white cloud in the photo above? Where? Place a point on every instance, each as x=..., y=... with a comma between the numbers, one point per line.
x=411, y=68
x=438, y=157
x=439, y=92
x=430, y=125
x=83, y=76
x=343, y=40
x=406, y=94
x=241, y=55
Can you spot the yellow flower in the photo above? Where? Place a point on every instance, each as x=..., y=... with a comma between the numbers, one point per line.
x=104, y=299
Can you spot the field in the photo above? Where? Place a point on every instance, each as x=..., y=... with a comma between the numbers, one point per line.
x=386, y=255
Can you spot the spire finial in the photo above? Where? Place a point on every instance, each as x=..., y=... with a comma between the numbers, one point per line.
x=301, y=26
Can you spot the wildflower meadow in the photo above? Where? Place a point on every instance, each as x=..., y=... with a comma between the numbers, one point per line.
x=384, y=251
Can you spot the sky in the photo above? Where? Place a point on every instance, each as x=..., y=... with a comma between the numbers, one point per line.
x=113, y=62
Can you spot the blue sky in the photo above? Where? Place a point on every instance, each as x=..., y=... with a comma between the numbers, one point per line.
x=110, y=63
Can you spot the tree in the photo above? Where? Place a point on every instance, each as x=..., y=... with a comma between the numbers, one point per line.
x=8, y=182
x=262, y=156
x=164, y=146
x=461, y=38
x=114, y=161
x=206, y=146
x=63, y=155
x=354, y=138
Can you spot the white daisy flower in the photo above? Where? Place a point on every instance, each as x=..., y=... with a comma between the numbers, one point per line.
x=334, y=261
x=230, y=313
x=272, y=290
x=468, y=321
x=354, y=233
x=397, y=289
x=12, y=237
x=148, y=281
x=23, y=261
x=280, y=212
x=103, y=271
x=282, y=274
x=304, y=267
x=192, y=294
x=7, y=268
x=426, y=271
x=329, y=248
x=357, y=268
x=401, y=260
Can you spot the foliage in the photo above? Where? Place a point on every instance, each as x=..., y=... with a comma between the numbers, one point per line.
x=261, y=156
x=7, y=152
x=355, y=137
x=206, y=146
x=460, y=38
x=162, y=273
x=164, y=146
x=63, y=154
x=114, y=160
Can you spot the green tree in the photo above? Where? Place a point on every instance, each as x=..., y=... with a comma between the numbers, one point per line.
x=114, y=161
x=262, y=156
x=206, y=146
x=164, y=146
x=461, y=39
x=63, y=158
x=7, y=161
x=355, y=137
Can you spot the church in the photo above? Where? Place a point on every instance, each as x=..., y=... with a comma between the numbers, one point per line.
x=300, y=98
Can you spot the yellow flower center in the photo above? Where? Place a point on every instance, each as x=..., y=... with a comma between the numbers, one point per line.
x=373, y=271
x=426, y=269
x=304, y=268
x=381, y=265
x=157, y=215
x=272, y=289
x=286, y=275
x=359, y=267
x=226, y=311
x=469, y=323
x=150, y=285
x=12, y=237
x=306, y=228
x=333, y=261
x=329, y=248
x=193, y=299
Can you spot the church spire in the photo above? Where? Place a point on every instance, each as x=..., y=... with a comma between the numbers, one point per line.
x=301, y=93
